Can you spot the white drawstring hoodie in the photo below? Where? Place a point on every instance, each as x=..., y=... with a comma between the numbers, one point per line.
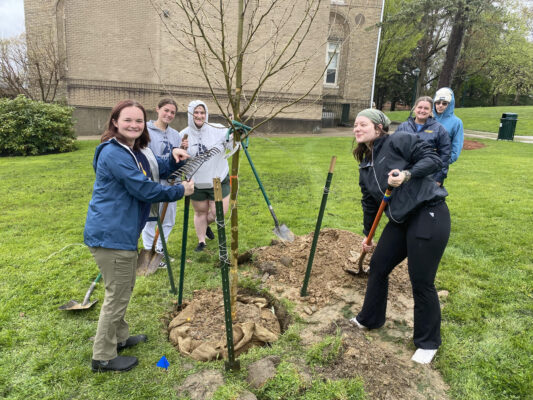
x=200, y=141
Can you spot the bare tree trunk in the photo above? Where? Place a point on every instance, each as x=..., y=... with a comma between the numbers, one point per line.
x=453, y=50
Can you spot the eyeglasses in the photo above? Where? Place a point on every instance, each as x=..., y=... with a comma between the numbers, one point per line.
x=444, y=103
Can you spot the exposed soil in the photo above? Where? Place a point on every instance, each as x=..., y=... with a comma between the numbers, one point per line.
x=380, y=357
x=472, y=145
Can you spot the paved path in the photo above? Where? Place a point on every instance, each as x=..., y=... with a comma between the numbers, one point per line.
x=347, y=132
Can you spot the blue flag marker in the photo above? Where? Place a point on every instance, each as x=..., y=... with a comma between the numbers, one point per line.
x=163, y=363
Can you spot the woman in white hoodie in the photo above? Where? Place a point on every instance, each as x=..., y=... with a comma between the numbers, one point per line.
x=203, y=136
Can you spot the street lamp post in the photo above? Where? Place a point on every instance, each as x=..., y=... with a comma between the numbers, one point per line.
x=464, y=92
x=416, y=73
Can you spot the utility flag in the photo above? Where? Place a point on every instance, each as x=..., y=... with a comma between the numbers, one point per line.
x=163, y=363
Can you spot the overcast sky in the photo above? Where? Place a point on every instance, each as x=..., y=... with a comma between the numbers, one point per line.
x=11, y=18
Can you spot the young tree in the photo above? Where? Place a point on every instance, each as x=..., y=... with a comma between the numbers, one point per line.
x=251, y=54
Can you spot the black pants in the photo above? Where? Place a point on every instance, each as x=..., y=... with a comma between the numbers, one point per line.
x=422, y=239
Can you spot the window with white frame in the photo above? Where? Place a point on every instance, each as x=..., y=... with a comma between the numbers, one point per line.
x=332, y=61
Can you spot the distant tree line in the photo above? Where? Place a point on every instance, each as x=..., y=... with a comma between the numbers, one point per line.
x=482, y=49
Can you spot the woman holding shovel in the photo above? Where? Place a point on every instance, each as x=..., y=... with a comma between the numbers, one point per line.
x=418, y=227
x=118, y=210
x=202, y=137
x=162, y=140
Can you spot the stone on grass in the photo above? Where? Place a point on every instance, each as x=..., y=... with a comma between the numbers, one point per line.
x=261, y=371
x=202, y=385
x=246, y=395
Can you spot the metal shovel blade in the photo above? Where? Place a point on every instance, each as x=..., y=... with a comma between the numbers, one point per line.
x=143, y=262
x=283, y=233
x=74, y=305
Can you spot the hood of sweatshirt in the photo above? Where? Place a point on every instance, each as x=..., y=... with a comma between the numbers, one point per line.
x=446, y=93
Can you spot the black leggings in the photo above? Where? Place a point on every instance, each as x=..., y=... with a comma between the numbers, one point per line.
x=422, y=239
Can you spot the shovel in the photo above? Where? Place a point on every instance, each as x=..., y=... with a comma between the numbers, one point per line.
x=74, y=305
x=281, y=231
x=384, y=202
x=149, y=260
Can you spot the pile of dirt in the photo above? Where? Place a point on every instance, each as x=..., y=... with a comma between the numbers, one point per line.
x=283, y=266
x=198, y=330
x=472, y=145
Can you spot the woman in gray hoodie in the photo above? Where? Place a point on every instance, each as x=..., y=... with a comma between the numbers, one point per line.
x=203, y=136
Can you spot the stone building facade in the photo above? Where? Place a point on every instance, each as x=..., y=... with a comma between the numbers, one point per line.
x=115, y=50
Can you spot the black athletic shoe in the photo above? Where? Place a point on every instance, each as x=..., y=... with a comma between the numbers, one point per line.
x=119, y=363
x=209, y=233
x=131, y=341
x=201, y=246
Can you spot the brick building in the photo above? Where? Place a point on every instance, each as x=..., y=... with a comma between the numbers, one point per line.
x=114, y=50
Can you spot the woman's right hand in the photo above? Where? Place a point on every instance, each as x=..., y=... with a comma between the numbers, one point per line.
x=189, y=187
x=367, y=247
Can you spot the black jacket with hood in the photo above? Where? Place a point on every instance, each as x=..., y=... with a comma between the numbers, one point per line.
x=403, y=151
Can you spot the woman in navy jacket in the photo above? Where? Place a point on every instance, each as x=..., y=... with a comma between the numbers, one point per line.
x=418, y=227
x=429, y=130
x=122, y=195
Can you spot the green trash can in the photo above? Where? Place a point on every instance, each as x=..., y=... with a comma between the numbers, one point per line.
x=507, y=126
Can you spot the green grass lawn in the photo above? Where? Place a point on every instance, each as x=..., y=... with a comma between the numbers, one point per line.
x=487, y=350
x=485, y=118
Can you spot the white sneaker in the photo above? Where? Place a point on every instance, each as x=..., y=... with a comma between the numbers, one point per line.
x=356, y=323
x=423, y=356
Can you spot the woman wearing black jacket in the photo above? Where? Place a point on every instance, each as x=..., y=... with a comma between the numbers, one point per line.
x=428, y=129
x=418, y=227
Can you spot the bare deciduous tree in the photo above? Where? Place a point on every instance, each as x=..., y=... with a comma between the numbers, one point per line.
x=252, y=55
x=30, y=67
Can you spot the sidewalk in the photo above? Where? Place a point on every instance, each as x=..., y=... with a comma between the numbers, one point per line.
x=348, y=132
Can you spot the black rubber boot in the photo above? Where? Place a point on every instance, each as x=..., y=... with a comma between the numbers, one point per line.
x=119, y=363
x=131, y=341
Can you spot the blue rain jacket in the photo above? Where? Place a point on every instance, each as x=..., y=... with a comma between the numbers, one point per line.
x=121, y=191
x=454, y=126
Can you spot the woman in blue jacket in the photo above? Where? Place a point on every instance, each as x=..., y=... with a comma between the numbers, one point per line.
x=429, y=130
x=443, y=111
x=127, y=182
x=418, y=227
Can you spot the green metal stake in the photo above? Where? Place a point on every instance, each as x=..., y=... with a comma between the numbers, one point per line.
x=303, y=292
x=224, y=268
x=167, y=258
x=183, y=248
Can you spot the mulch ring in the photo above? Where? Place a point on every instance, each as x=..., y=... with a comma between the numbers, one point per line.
x=198, y=329
x=472, y=145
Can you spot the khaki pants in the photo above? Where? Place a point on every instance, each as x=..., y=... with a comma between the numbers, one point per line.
x=118, y=269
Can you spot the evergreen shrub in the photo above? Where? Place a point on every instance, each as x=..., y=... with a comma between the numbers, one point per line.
x=29, y=128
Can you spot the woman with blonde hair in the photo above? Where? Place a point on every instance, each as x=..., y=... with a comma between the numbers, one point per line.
x=428, y=129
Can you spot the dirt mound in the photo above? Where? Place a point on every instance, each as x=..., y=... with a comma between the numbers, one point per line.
x=382, y=356
x=472, y=145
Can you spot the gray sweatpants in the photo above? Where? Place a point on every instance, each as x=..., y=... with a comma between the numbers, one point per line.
x=148, y=232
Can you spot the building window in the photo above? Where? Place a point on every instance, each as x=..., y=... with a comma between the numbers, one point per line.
x=332, y=61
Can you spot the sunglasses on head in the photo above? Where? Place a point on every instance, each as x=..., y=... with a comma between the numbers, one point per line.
x=444, y=103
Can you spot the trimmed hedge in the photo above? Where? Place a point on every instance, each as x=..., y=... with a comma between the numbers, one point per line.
x=29, y=128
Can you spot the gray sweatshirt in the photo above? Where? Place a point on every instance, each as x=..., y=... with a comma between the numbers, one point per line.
x=162, y=142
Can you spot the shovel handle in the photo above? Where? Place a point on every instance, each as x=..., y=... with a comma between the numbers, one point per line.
x=91, y=289
x=384, y=202
x=156, y=236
